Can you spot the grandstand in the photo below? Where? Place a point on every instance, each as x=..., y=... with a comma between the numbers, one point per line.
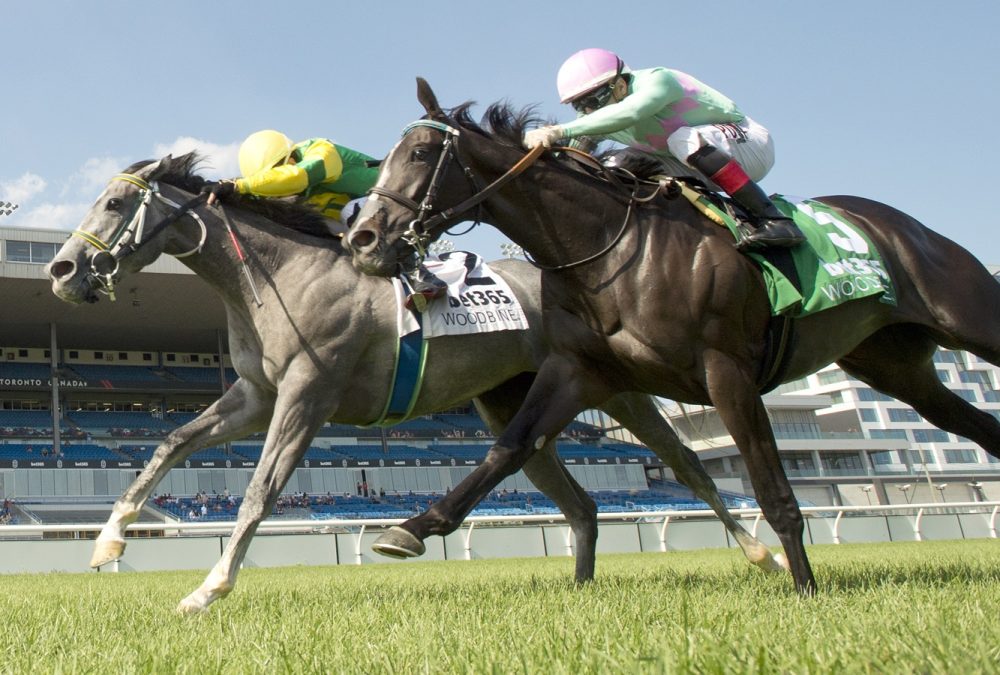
x=121, y=376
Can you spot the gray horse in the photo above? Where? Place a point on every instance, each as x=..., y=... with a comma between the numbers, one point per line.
x=314, y=340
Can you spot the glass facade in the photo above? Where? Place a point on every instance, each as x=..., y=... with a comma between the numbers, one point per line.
x=36, y=252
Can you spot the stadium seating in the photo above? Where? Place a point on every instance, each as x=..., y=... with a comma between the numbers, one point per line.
x=116, y=377
x=121, y=424
x=196, y=375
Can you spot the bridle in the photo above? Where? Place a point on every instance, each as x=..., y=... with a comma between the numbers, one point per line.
x=419, y=231
x=130, y=234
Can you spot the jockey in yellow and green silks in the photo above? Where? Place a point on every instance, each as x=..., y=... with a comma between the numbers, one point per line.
x=325, y=174
x=328, y=177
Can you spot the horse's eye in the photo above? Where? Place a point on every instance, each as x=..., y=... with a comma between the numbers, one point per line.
x=419, y=154
x=114, y=204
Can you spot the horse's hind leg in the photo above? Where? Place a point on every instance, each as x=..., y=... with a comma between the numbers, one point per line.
x=242, y=410
x=639, y=414
x=898, y=361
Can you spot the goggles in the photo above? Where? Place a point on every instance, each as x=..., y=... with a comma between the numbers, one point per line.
x=594, y=100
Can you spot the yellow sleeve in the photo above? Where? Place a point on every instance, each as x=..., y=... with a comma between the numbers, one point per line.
x=320, y=163
x=280, y=181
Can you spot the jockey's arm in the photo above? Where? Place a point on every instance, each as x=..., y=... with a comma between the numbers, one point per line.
x=320, y=162
x=652, y=90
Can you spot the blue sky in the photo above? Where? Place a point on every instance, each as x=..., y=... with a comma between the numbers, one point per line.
x=890, y=100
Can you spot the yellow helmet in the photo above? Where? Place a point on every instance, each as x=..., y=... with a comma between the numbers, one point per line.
x=262, y=150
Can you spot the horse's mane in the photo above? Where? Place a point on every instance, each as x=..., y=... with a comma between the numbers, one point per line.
x=181, y=173
x=500, y=122
x=505, y=125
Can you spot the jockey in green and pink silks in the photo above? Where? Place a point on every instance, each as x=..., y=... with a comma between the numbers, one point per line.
x=681, y=121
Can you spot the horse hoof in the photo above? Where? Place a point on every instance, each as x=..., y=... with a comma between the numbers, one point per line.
x=190, y=607
x=780, y=563
x=398, y=543
x=107, y=551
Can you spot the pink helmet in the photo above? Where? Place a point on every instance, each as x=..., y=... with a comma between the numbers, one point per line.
x=586, y=70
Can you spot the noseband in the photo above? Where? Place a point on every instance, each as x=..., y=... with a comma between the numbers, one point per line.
x=130, y=235
x=419, y=232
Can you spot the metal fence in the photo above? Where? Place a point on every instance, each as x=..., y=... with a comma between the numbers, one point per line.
x=194, y=545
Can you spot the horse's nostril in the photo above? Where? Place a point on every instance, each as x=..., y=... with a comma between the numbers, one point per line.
x=362, y=240
x=60, y=269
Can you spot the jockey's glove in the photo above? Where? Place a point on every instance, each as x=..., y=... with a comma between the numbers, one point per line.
x=219, y=190
x=544, y=136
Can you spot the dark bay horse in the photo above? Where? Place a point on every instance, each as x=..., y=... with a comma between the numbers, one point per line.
x=319, y=345
x=655, y=298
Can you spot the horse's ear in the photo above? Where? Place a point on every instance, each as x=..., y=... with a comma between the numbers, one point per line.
x=159, y=168
x=427, y=98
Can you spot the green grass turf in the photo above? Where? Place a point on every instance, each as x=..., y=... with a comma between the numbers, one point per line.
x=929, y=607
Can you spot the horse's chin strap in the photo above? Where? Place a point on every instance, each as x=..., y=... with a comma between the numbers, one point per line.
x=128, y=237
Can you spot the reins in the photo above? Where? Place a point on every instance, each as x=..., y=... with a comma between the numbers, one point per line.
x=416, y=234
x=131, y=235
x=661, y=186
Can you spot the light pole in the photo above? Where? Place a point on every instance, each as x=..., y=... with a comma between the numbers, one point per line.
x=511, y=250
x=441, y=246
x=977, y=491
x=867, y=489
x=941, y=487
x=905, y=489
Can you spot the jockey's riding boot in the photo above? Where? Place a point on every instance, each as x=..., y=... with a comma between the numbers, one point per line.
x=426, y=286
x=770, y=227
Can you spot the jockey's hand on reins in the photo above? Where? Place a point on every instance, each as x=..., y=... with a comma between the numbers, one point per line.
x=219, y=190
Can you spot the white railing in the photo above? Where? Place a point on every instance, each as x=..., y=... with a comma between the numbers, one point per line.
x=358, y=527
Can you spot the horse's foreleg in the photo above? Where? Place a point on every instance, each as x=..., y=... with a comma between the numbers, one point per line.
x=639, y=414
x=554, y=399
x=293, y=426
x=547, y=473
x=734, y=395
x=240, y=411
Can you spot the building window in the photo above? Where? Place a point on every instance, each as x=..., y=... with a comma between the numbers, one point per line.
x=930, y=436
x=868, y=414
x=31, y=251
x=797, y=461
x=840, y=461
x=903, y=415
x=884, y=457
x=921, y=457
x=944, y=375
x=872, y=395
x=974, y=377
x=966, y=394
x=794, y=385
x=966, y=456
x=890, y=434
x=946, y=357
x=832, y=376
